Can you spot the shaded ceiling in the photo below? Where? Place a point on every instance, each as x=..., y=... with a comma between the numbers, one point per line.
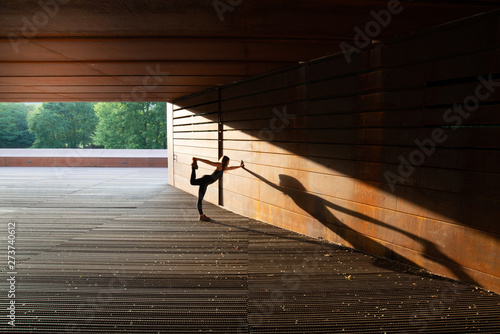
x=151, y=50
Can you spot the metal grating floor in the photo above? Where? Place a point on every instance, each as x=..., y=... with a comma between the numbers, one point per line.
x=119, y=251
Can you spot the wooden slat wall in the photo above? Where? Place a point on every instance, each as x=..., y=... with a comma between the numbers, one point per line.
x=323, y=170
x=195, y=133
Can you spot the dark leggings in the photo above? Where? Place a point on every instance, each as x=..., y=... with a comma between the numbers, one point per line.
x=203, y=182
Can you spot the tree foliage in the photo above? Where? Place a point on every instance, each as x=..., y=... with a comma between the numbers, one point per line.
x=131, y=125
x=14, y=127
x=121, y=125
x=63, y=125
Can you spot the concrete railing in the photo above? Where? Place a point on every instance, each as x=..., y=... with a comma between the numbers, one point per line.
x=82, y=158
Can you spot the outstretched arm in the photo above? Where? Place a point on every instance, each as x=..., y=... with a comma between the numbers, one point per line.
x=208, y=162
x=236, y=167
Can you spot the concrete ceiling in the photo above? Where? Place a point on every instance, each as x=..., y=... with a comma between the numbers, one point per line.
x=152, y=50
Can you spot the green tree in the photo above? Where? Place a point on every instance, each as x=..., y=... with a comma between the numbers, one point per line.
x=14, y=126
x=48, y=128
x=131, y=125
x=63, y=125
x=155, y=126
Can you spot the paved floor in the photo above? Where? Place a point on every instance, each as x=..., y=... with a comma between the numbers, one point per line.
x=119, y=251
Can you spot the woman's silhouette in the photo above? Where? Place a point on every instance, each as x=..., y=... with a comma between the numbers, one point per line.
x=220, y=167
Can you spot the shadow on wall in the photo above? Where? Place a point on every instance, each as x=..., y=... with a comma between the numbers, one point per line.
x=317, y=207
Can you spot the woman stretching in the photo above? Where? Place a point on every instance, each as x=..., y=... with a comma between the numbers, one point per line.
x=221, y=166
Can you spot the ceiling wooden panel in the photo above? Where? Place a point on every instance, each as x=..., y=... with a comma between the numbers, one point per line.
x=81, y=50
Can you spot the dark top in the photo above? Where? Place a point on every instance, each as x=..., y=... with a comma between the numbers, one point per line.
x=217, y=174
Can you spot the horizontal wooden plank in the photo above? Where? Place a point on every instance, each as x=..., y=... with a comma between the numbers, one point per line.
x=265, y=125
x=373, y=101
x=464, y=65
x=280, y=112
x=442, y=206
x=201, y=144
x=104, y=80
x=189, y=101
x=278, y=119
x=467, y=137
x=87, y=97
x=122, y=89
x=275, y=80
x=404, y=75
x=195, y=151
x=319, y=154
x=205, y=135
x=405, y=99
x=209, y=108
x=136, y=68
x=195, y=121
x=444, y=41
x=337, y=65
x=330, y=105
x=448, y=180
x=272, y=99
x=469, y=93
x=163, y=49
x=483, y=115
x=345, y=86
x=188, y=127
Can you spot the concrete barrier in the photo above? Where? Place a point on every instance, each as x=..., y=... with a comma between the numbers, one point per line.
x=82, y=158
